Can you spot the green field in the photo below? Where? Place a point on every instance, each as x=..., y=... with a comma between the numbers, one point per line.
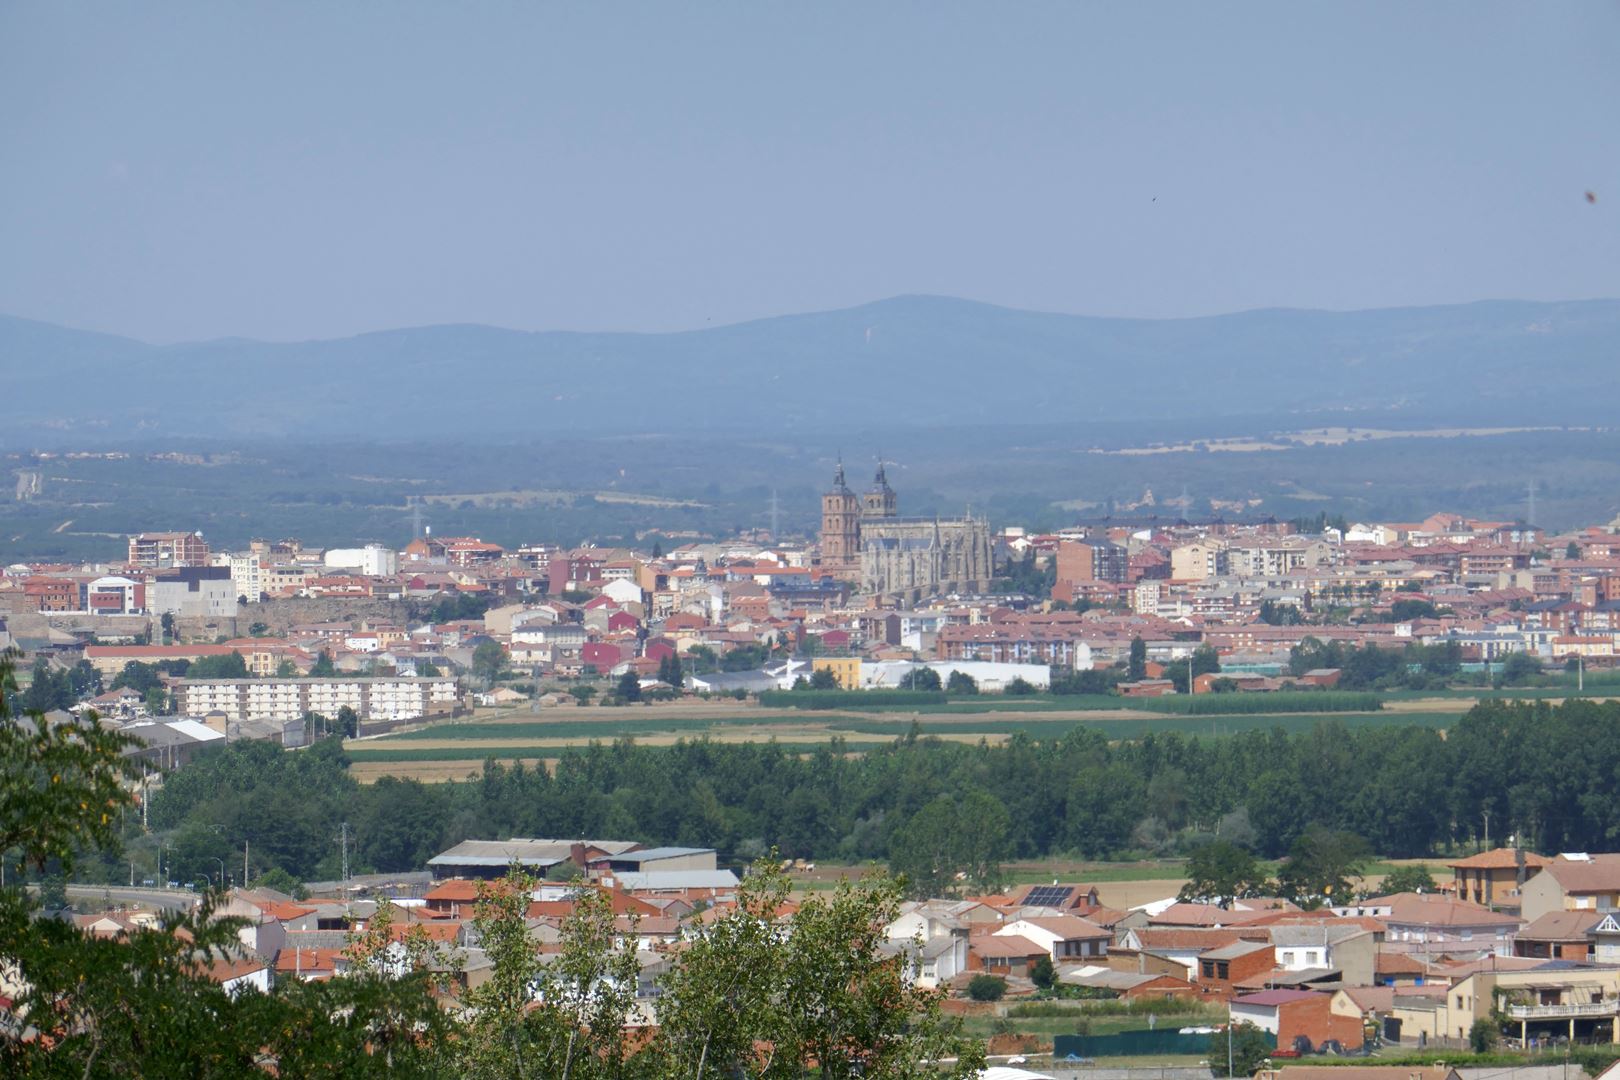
x=1136, y=727
x=581, y=729
x=543, y=732
x=363, y=752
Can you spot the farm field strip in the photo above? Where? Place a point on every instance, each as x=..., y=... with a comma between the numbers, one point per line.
x=505, y=753
x=452, y=750
x=729, y=729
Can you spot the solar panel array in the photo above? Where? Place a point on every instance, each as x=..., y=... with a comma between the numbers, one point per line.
x=1048, y=896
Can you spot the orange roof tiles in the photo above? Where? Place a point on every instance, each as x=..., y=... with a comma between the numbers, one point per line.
x=1499, y=859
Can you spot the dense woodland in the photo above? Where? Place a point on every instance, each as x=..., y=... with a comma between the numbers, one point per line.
x=1546, y=773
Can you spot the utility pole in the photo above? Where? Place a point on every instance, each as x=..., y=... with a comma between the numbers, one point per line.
x=345, y=859
x=1486, y=814
x=244, y=863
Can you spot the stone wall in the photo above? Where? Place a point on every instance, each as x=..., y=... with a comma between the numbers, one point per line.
x=32, y=624
x=278, y=615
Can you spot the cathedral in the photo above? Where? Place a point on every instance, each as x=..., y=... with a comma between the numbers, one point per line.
x=864, y=539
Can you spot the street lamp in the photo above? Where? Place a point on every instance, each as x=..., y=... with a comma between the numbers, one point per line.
x=221, y=871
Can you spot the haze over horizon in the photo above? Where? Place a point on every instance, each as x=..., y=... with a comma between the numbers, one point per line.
x=288, y=174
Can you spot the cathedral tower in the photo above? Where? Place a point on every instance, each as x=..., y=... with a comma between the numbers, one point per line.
x=879, y=501
x=841, y=528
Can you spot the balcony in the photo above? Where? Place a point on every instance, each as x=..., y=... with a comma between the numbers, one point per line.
x=1572, y=1011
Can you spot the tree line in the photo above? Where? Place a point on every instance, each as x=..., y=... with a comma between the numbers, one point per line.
x=1543, y=772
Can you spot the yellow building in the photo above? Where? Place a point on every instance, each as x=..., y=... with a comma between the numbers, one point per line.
x=845, y=669
x=1577, y=1004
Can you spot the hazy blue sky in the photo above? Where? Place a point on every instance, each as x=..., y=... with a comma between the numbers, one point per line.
x=178, y=171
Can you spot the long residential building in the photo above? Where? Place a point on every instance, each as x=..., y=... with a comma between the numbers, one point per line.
x=372, y=698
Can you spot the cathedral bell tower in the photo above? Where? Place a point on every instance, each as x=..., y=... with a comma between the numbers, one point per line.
x=879, y=501
x=841, y=528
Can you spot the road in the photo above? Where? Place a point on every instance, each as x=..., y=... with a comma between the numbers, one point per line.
x=122, y=894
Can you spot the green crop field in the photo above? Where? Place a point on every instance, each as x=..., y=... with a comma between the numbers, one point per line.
x=581, y=729
x=364, y=752
x=980, y=723
x=1135, y=727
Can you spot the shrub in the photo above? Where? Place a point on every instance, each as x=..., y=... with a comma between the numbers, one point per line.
x=986, y=988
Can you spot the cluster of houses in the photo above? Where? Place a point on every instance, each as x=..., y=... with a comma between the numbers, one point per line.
x=653, y=892
x=1526, y=942
x=753, y=615
x=1531, y=941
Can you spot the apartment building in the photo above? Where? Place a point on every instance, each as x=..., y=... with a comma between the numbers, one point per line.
x=160, y=550
x=372, y=698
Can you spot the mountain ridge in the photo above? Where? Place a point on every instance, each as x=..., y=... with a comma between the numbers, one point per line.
x=914, y=360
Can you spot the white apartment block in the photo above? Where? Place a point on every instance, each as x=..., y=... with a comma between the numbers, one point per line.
x=246, y=578
x=384, y=698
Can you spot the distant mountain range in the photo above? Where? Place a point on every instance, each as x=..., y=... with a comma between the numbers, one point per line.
x=913, y=360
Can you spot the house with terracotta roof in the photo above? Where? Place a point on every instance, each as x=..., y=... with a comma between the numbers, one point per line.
x=1547, y=999
x=1577, y=882
x=1399, y=969
x=1066, y=937
x=1559, y=935
x=238, y=972
x=308, y=962
x=1494, y=876
x=1429, y=924
x=1219, y=971
x=1182, y=946
x=1188, y=914
x=1004, y=954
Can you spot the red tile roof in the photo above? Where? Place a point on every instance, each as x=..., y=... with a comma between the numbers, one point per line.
x=1499, y=859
